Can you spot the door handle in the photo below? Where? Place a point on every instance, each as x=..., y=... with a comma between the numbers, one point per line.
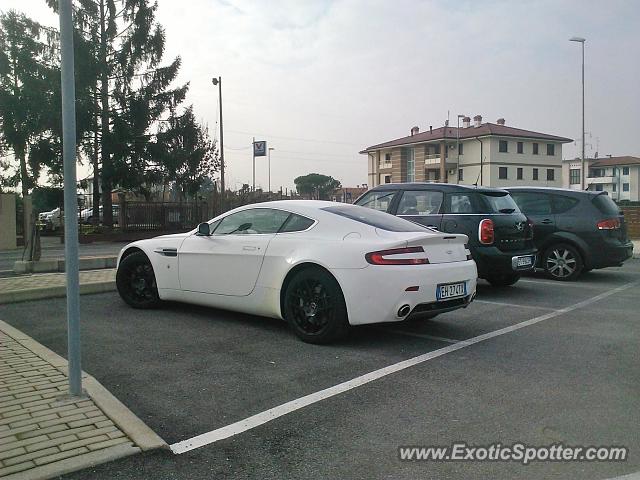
x=249, y=248
x=546, y=221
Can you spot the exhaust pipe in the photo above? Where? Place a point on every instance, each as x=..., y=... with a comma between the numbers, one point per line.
x=404, y=310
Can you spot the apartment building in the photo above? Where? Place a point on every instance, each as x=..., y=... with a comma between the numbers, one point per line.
x=618, y=176
x=487, y=154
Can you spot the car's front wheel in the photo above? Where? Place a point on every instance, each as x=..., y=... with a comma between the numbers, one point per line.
x=562, y=262
x=136, y=281
x=314, y=307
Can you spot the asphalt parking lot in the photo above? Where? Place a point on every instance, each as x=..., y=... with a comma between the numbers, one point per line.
x=540, y=363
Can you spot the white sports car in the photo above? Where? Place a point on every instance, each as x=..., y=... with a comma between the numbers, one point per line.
x=321, y=266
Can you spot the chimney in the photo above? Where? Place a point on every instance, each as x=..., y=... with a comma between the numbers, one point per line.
x=466, y=122
x=500, y=121
x=477, y=121
x=415, y=131
x=430, y=128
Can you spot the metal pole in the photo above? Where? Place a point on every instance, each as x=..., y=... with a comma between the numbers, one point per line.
x=70, y=199
x=269, y=168
x=221, y=146
x=458, y=149
x=584, y=174
x=253, y=153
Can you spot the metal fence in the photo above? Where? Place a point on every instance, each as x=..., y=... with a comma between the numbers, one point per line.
x=166, y=216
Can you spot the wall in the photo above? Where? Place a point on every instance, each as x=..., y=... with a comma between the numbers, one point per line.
x=7, y=221
x=632, y=219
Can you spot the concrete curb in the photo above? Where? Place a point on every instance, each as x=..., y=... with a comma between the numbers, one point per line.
x=119, y=414
x=54, y=292
x=57, y=265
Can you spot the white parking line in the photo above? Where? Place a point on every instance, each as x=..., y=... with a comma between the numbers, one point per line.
x=558, y=283
x=419, y=335
x=293, y=405
x=505, y=304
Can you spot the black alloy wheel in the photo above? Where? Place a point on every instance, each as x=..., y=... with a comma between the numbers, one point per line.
x=136, y=281
x=314, y=307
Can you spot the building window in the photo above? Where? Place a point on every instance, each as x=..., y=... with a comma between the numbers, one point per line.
x=503, y=146
x=625, y=187
x=436, y=149
x=535, y=149
x=535, y=174
x=615, y=187
x=551, y=149
x=520, y=147
x=387, y=158
x=460, y=149
x=551, y=173
x=599, y=187
x=460, y=175
x=625, y=170
x=502, y=173
x=409, y=157
x=387, y=179
x=519, y=173
x=574, y=176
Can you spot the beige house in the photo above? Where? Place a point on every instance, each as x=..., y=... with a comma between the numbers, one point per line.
x=619, y=176
x=487, y=154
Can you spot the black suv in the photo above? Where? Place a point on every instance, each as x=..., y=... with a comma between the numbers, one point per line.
x=500, y=236
x=574, y=230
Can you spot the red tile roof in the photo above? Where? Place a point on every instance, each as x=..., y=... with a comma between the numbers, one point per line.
x=449, y=133
x=607, y=162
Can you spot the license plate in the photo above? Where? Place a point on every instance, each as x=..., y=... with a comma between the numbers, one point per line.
x=451, y=290
x=525, y=261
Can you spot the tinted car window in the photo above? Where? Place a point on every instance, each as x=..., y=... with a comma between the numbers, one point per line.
x=380, y=201
x=607, y=206
x=253, y=221
x=375, y=218
x=420, y=202
x=533, y=203
x=460, y=203
x=563, y=204
x=500, y=203
x=296, y=223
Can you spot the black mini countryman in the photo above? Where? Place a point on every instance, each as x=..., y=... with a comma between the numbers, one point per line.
x=500, y=235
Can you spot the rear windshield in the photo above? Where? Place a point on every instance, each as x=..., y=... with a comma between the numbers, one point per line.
x=374, y=218
x=500, y=203
x=607, y=206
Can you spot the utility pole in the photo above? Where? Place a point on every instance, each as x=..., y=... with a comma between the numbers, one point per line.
x=458, y=149
x=582, y=163
x=269, y=167
x=253, y=153
x=218, y=81
x=70, y=198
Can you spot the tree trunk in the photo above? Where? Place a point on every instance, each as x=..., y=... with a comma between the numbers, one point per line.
x=96, y=173
x=24, y=182
x=107, y=211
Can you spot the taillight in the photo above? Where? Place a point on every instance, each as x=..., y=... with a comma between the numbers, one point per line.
x=385, y=257
x=485, y=231
x=609, y=224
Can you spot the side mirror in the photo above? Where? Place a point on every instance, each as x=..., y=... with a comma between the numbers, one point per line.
x=203, y=230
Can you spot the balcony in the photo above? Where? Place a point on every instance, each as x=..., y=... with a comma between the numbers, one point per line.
x=384, y=165
x=602, y=180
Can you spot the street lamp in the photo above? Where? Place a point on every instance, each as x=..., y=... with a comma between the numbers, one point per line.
x=218, y=82
x=269, y=163
x=582, y=167
x=458, y=148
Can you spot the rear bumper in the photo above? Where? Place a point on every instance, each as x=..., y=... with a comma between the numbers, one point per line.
x=435, y=308
x=494, y=262
x=376, y=293
x=611, y=255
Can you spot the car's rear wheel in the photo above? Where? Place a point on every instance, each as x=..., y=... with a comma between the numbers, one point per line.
x=314, y=307
x=136, y=281
x=505, y=280
x=562, y=262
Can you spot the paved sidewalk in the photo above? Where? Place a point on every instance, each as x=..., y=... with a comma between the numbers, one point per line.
x=44, y=433
x=48, y=285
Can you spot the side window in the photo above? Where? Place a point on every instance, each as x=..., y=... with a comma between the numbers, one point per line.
x=380, y=201
x=459, y=203
x=296, y=223
x=563, y=204
x=420, y=202
x=533, y=203
x=253, y=221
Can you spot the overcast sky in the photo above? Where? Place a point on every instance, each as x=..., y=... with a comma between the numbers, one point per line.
x=320, y=80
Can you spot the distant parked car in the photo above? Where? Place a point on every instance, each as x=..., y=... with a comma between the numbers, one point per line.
x=50, y=221
x=87, y=216
x=575, y=231
x=500, y=237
